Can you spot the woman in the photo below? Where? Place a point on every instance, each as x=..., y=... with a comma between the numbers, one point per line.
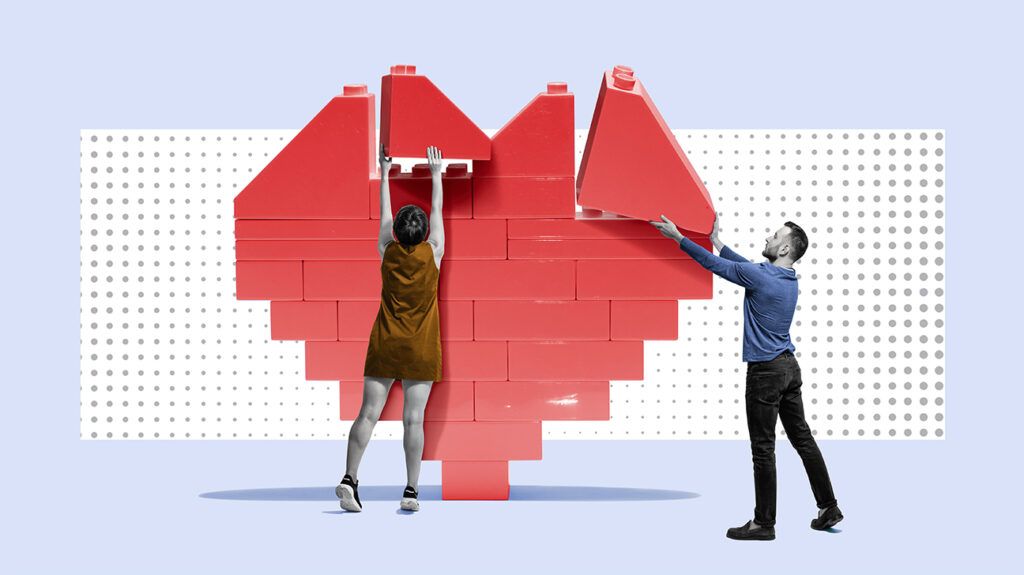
x=405, y=342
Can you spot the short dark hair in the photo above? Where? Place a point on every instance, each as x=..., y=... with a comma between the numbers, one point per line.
x=798, y=240
x=410, y=225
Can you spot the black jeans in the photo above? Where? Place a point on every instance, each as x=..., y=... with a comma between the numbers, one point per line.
x=773, y=392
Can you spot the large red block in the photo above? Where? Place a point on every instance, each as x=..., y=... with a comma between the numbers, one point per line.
x=633, y=165
x=456, y=320
x=449, y=401
x=523, y=197
x=645, y=320
x=544, y=400
x=416, y=188
x=474, y=480
x=269, y=280
x=631, y=249
x=583, y=226
x=304, y=320
x=508, y=279
x=475, y=239
x=355, y=319
x=473, y=360
x=415, y=114
x=306, y=229
x=541, y=320
x=481, y=440
x=340, y=280
x=306, y=250
x=538, y=141
x=335, y=360
x=575, y=360
x=642, y=280
x=323, y=172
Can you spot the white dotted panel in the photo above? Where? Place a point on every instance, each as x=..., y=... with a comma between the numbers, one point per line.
x=167, y=352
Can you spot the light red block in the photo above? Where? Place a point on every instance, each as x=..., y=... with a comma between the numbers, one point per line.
x=538, y=141
x=416, y=188
x=603, y=226
x=575, y=360
x=323, y=172
x=306, y=229
x=414, y=114
x=335, y=360
x=340, y=280
x=645, y=320
x=642, y=280
x=523, y=197
x=631, y=249
x=448, y=401
x=473, y=360
x=633, y=165
x=474, y=480
x=508, y=279
x=481, y=440
x=541, y=320
x=356, y=318
x=306, y=250
x=303, y=320
x=544, y=400
x=269, y=280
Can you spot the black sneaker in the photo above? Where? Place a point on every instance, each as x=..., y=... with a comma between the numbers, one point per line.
x=745, y=533
x=348, y=492
x=827, y=519
x=410, y=501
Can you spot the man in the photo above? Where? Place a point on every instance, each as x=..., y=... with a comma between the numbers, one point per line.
x=773, y=374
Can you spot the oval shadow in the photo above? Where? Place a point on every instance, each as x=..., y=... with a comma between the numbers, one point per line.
x=433, y=493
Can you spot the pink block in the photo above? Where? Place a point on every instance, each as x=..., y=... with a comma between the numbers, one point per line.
x=335, y=360
x=575, y=360
x=645, y=320
x=545, y=400
x=474, y=480
x=481, y=440
x=642, y=280
x=266, y=280
x=341, y=280
x=306, y=250
x=508, y=279
x=541, y=320
x=472, y=360
x=303, y=320
x=306, y=229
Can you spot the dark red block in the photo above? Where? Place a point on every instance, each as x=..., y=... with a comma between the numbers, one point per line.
x=642, y=280
x=523, y=197
x=474, y=480
x=324, y=171
x=541, y=320
x=280, y=280
x=303, y=320
x=415, y=114
x=449, y=401
x=481, y=440
x=416, y=188
x=508, y=279
x=645, y=320
x=544, y=400
x=575, y=360
x=538, y=141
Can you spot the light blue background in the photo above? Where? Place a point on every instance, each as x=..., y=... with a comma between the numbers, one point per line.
x=134, y=506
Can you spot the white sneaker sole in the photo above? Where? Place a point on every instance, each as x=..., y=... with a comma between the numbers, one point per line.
x=409, y=504
x=348, y=498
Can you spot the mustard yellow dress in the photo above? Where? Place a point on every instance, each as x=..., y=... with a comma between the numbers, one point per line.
x=405, y=341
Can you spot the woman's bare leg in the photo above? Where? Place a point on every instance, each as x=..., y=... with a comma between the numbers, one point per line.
x=375, y=393
x=416, y=394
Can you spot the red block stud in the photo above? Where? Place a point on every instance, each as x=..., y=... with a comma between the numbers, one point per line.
x=645, y=320
x=474, y=480
x=504, y=320
x=544, y=400
x=575, y=360
x=641, y=279
x=633, y=165
x=281, y=281
x=481, y=440
x=449, y=401
x=323, y=172
x=303, y=320
x=415, y=114
x=538, y=141
x=523, y=197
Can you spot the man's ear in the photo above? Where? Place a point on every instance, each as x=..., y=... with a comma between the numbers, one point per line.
x=784, y=250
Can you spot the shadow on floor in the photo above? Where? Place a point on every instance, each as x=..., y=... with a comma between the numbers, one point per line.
x=433, y=493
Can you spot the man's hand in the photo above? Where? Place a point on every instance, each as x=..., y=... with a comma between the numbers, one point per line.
x=434, y=161
x=385, y=162
x=713, y=236
x=668, y=229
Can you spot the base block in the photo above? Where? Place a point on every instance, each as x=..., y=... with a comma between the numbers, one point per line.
x=474, y=480
x=481, y=440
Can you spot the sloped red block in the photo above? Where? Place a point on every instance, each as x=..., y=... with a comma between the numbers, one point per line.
x=324, y=171
x=523, y=197
x=416, y=188
x=641, y=279
x=538, y=141
x=544, y=400
x=575, y=360
x=474, y=480
x=633, y=165
x=449, y=401
x=645, y=320
x=415, y=114
x=355, y=319
x=507, y=279
x=269, y=280
x=303, y=320
x=481, y=440
x=541, y=320
x=306, y=229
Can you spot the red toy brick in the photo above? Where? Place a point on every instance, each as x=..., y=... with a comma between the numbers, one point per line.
x=416, y=188
x=306, y=229
x=538, y=141
x=473, y=360
x=335, y=360
x=541, y=320
x=449, y=401
x=474, y=480
x=645, y=320
x=642, y=280
x=605, y=226
x=481, y=440
x=632, y=249
x=633, y=165
x=306, y=250
x=304, y=320
x=475, y=240
x=355, y=319
x=523, y=198
x=575, y=360
x=545, y=400
x=456, y=320
x=507, y=279
x=323, y=172
x=415, y=114
x=269, y=280
x=340, y=280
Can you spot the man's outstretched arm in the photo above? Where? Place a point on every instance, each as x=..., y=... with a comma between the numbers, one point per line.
x=743, y=273
x=724, y=250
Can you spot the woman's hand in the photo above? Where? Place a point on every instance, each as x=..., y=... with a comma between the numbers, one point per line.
x=434, y=161
x=385, y=161
x=668, y=229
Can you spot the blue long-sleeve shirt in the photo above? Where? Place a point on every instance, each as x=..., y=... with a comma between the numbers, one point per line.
x=768, y=303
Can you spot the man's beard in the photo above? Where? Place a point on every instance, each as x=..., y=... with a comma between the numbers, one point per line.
x=768, y=254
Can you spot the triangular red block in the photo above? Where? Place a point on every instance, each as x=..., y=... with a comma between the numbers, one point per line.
x=415, y=114
x=323, y=173
x=538, y=141
x=633, y=165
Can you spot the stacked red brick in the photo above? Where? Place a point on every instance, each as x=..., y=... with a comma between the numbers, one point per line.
x=540, y=307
